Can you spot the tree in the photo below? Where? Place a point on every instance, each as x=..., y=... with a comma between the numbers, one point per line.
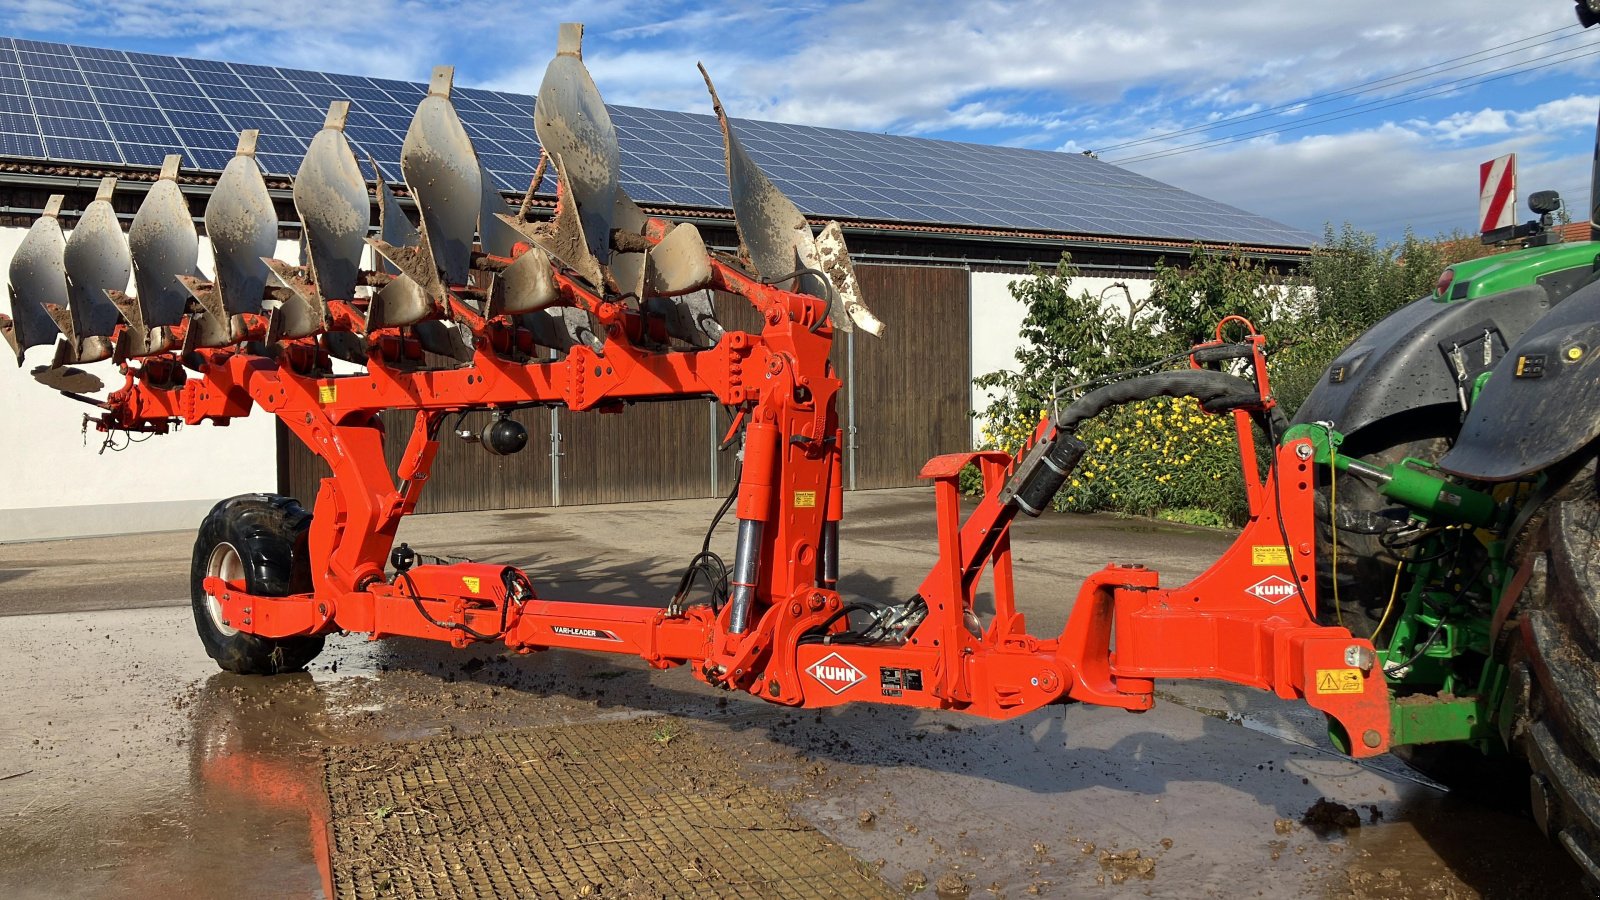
x=1068, y=339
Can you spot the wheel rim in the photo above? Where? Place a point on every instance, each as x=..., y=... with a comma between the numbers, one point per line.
x=226, y=564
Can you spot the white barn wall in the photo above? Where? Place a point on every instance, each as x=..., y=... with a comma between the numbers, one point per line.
x=55, y=483
x=996, y=321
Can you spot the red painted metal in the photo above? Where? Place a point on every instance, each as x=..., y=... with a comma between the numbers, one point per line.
x=1248, y=619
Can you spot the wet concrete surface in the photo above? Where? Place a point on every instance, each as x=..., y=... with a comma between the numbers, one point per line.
x=130, y=767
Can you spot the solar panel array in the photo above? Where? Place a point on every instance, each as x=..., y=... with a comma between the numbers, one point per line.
x=75, y=104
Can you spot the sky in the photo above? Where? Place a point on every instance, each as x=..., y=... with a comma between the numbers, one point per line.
x=1366, y=112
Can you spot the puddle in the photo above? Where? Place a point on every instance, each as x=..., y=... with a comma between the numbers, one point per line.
x=150, y=774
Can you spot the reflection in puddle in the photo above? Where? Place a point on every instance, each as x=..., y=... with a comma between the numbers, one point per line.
x=255, y=753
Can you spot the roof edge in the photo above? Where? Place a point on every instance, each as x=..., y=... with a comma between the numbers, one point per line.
x=77, y=175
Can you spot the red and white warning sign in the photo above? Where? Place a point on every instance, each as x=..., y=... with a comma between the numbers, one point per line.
x=1273, y=589
x=1497, y=193
x=835, y=673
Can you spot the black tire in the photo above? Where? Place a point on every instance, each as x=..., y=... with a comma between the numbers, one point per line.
x=261, y=537
x=1556, y=668
x=1365, y=566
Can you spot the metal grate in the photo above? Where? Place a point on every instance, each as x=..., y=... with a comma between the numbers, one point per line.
x=636, y=808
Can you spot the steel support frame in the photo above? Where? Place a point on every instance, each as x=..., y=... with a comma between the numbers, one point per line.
x=1124, y=632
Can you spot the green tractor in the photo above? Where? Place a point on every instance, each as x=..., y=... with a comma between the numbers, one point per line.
x=1459, y=512
x=1403, y=389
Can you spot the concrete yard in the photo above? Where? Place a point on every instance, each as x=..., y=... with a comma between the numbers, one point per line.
x=131, y=767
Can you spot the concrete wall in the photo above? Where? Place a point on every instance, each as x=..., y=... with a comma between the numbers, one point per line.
x=55, y=482
x=997, y=321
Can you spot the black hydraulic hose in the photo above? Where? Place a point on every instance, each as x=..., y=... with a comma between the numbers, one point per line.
x=1046, y=467
x=1223, y=353
x=820, y=632
x=706, y=564
x=464, y=628
x=1217, y=392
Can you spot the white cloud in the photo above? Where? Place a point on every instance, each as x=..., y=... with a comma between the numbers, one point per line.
x=873, y=65
x=1475, y=123
x=1037, y=73
x=1381, y=179
x=1564, y=114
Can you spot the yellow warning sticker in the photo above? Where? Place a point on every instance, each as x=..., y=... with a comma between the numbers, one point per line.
x=1269, y=555
x=473, y=582
x=805, y=499
x=1339, y=681
x=327, y=393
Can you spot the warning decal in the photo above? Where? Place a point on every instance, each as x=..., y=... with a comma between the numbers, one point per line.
x=1339, y=681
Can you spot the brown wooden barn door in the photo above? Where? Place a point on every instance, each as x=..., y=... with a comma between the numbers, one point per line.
x=648, y=451
x=912, y=385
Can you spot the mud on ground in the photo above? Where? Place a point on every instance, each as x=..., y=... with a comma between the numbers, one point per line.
x=137, y=770
x=639, y=808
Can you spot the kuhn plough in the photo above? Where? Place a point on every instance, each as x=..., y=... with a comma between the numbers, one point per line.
x=476, y=308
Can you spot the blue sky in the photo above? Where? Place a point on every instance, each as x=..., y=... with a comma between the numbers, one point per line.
x=1442, y=86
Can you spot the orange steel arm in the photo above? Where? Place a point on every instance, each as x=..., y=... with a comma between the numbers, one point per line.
x=786, y=635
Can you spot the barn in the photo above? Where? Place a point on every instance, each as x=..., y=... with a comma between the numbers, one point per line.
x=938, y=230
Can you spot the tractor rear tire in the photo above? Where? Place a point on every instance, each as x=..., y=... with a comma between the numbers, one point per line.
x=259, y=539
x=1366, y=567
x=1556, y=668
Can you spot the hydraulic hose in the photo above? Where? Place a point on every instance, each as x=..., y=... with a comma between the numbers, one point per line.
x=1051, y=461
x=1217, y=392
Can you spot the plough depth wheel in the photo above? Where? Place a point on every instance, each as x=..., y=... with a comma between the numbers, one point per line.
x=256, y=542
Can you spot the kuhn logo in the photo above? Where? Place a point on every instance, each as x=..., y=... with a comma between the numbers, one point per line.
x=1273, y=589
x=836, y=673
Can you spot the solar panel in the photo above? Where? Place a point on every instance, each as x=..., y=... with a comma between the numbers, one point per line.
x=134, y=133
x=88, y=105
x=142, y=115
x=70, y=148
x=66, y=109
x=197, y=121
x=21, y=145
x=74, y=128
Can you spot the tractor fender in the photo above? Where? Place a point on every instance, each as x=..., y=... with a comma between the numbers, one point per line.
x=1542, y=402
x=1420, y=357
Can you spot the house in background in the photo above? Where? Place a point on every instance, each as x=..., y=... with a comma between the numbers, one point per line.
x=938, y=230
